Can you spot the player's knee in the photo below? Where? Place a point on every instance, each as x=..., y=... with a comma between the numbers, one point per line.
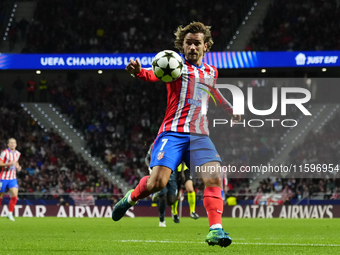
x=189, y=190
x=162, y=199
x=171, y=200
x=212, y=182
x=157, y=185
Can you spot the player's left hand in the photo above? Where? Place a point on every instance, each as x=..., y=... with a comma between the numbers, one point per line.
x=18, y=168
x=236, y=118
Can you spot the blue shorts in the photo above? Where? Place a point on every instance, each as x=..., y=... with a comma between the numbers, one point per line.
x=8, y=184
x=171, y=186
x=171, y=148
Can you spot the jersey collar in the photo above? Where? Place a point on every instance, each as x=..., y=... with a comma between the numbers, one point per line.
x=194, y=64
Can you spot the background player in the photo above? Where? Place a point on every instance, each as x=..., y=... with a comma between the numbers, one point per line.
x=9, y=163
x=183, y=135
x=166, y=196
x=184, y=176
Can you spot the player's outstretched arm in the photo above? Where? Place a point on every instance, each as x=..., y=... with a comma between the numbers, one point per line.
x=136, y=70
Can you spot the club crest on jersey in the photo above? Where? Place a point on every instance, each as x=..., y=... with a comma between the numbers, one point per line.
x=160, y=155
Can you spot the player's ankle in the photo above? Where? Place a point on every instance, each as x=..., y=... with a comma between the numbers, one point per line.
x=130, y=201
x=216, y=226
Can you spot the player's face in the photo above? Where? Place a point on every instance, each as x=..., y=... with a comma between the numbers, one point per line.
x=194, y=47
x=12, y=144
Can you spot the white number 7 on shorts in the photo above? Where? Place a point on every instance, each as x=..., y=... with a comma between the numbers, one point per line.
x=164, y=142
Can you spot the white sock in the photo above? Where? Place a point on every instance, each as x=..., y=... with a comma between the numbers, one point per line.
x=130, y=200
x=214, y=226
x=10, y=214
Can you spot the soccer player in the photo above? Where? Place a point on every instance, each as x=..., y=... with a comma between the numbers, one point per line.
x=9, y=163
x=183, y=171
x=183, y=135
x=166, y=196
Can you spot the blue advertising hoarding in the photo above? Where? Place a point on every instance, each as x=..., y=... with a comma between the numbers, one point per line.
x=222, y=60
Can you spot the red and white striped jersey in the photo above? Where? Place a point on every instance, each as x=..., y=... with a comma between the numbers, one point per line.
x=8, y=156
x=186, y=96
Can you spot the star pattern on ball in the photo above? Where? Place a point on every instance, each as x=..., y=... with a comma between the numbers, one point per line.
x=168, y=55
x=168, y=70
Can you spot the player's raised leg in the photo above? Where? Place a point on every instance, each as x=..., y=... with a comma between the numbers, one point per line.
x=147, y=185
x=213, y=204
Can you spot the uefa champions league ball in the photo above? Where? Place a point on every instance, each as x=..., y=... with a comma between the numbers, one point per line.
x=167, y=65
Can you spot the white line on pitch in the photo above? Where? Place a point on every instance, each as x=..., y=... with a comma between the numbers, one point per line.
x=280, y=244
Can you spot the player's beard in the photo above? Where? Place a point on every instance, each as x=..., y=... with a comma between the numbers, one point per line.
x=193, y=57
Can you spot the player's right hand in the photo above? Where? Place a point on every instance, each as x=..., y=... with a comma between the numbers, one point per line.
x=134, y=67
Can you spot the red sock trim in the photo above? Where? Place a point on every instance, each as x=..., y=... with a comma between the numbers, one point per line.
x=141, y=191
x=12, y=204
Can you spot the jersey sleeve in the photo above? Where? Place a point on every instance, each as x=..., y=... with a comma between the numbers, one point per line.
x=217, y=93
x=224, y=102
x=2, y=156
x=147, y=75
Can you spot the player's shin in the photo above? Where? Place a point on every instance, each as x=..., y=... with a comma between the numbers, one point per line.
x=162, y=207
x=213, y=204
x=174, y=208
x=12, y=204
x=192, y=201
x=141, y=191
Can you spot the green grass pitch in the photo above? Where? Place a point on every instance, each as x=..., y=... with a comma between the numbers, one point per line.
x=143, y=236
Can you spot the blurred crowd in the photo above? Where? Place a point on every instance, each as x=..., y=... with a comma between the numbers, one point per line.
x=301, y=188
x=291, y=25
x=86, y=26
x=50, y=168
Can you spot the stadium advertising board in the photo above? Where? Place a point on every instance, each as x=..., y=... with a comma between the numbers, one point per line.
x=219, y=59
x=238, y=211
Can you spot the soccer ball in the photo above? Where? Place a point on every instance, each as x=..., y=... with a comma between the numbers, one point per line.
x=167, y=65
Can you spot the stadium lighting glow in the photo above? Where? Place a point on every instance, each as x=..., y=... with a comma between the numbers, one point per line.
x=38, y=72
x=263, y=70
x=100, y=71
x=324, y=69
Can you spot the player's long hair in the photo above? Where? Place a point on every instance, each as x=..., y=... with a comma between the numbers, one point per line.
x=194, y=27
